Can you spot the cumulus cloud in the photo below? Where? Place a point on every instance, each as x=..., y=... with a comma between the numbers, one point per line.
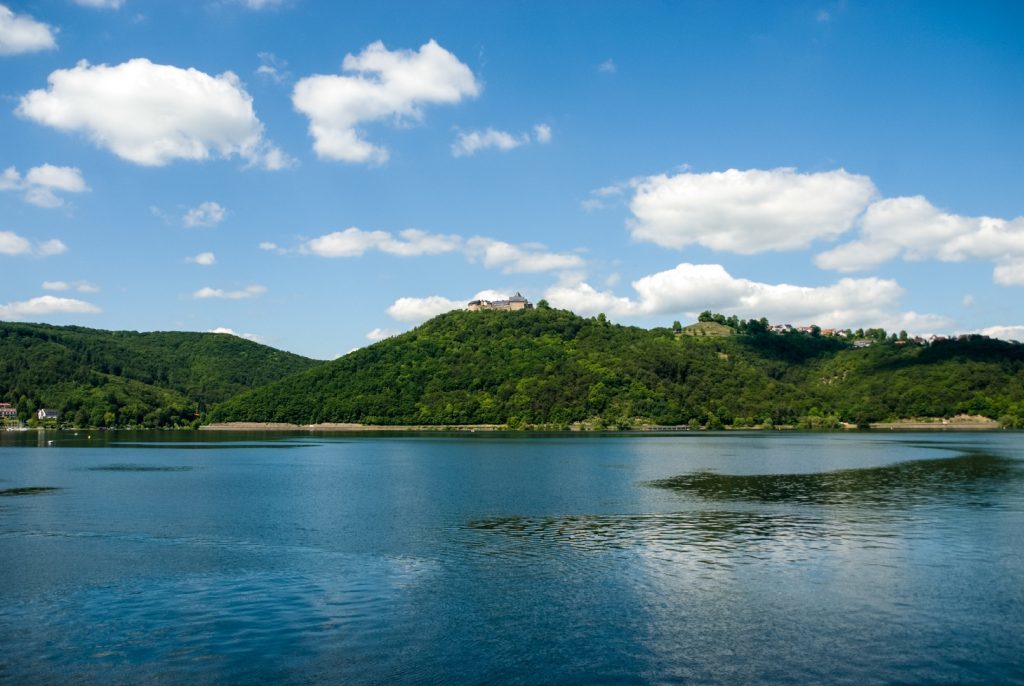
x=20, y=33
x=607, y=67
x=41, y=184
x=247, y=292
x=204, y=259
x=50, y=247
x=696, y=287
x=101, y=4
x=153, y=114
x=416, y=310
x=494, y=254
x=231, y=332
x=353, y=242
x=913, y=229
x=748, y=211
x=273, y=67
x=470, y=142
x=599, y=197
x=13, y=244
x=46, y=304
x=380, y=334
x=80, y=286
x=380, y=85
x=206, y=214
x=260, y=4
x=1007, y=333
x=517, y=259
x=1009, y=273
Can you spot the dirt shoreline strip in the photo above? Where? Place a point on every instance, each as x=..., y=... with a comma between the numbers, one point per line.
x=937, y=425
x=330, y=427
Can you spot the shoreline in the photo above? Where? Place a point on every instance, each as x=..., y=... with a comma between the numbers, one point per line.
x=274, y=427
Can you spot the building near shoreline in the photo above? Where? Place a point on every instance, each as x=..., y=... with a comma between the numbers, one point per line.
x=516, y=302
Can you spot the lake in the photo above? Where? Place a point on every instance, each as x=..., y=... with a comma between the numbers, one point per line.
x=570, y=559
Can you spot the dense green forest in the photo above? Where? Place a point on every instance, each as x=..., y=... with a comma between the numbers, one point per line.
x=551, y=367
x=124, y=378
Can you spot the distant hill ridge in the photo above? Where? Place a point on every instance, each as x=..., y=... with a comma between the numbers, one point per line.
x=119, y=378
x=552, y=367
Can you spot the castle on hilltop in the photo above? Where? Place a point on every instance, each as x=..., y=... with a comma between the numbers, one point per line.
x=516, y=302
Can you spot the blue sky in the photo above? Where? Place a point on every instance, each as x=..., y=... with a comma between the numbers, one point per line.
x=318, y=174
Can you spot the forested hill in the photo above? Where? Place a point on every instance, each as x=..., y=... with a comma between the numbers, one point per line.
x=549, y=366
x=121, y=378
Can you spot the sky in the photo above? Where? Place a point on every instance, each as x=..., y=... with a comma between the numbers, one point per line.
x=318, y=175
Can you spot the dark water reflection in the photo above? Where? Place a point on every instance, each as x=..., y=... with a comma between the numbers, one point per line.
x=706, y=559
x=975, y=479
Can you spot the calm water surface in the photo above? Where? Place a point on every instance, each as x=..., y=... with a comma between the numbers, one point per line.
x=728, y=558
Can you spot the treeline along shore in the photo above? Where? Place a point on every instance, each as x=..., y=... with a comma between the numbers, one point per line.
x=540, y=368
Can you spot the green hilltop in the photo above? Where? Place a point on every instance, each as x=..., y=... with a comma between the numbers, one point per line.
x=124, y=378
x=548, y=367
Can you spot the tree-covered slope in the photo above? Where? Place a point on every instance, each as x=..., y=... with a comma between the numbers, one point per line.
x=550, y=366
x=117, y=378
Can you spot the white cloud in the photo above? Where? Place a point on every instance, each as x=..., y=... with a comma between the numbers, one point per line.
x=10, y=179
x=80, y=286
x=60, y=178
x=13, y=244
x=607, y=67
x=494, y=254
x=267, y=245
x=913, y=229
x=353, y=242
x=50, y=247
x=470, y=142
x=206, y=214
x=417, y=310
x=692, y=288
x=517, y=259
x=101, y=4
x=273, y=67
x=1007, y=333
x=41, y=184
x=380, y=334
x=381, y=84
x=46, y=304
x=20, y=33
x=204, y=259
x=153, y=114
x=747, y=211
x=260, y=4
x=599, y=196
x=1009, y=273
x=247, y=292
x=231, y=332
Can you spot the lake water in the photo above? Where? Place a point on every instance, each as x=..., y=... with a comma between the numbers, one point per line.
x=711, y=558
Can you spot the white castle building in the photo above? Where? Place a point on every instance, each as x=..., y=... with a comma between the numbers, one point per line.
x=516, y=302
